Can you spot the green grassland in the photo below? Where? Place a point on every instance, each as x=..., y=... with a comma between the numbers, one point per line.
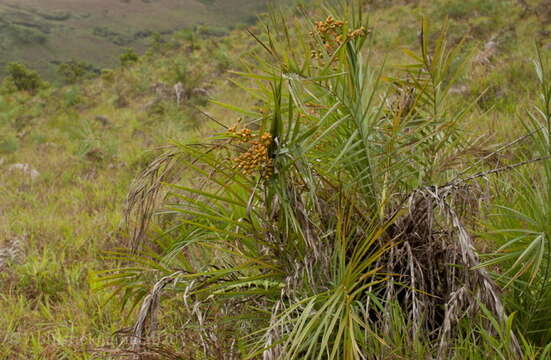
x=87, y=142
x=43, y=34
x=69, y=155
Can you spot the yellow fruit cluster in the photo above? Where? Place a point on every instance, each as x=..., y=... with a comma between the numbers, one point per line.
x=360, y=32
x=256, y=157
x=333, y=35
x=330, y=25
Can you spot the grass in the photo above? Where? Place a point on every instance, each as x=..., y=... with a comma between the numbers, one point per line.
x=87, y=149
x=242, y=265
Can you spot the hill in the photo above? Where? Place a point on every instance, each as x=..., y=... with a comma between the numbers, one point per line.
x=43, y=34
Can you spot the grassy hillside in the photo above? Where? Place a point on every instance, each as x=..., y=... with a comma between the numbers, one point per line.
x=69, y=155
x=87, y=142
x=43, y=34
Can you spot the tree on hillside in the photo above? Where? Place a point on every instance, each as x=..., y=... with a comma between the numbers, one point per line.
x=22, y=78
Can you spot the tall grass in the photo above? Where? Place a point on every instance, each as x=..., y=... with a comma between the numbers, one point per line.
x=328, y=223
x=523, y=229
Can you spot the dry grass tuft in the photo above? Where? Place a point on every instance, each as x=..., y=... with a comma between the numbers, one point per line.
x=433, y=260
x=145, y=194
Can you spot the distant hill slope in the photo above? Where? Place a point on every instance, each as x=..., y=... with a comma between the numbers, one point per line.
x=43, y=33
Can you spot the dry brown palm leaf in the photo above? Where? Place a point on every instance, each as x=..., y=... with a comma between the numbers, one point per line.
x=435, y=282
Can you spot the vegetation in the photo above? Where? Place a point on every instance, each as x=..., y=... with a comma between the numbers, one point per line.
x=22, y=79
x=86, y=141
x=74, y=71
x=362, y=188
x=128, y=57
x=314, y=229
x=45, y=33
x=26, y=35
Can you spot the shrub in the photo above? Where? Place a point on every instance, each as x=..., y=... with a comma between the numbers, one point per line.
x=128, y=57
x=55, y=15
x=71, y=96
x=114, y=37
x=311, y=221
x=107, y=75
x=26, y=35
x=189, y=36
x=223, y=61
x=74, y=71
x=8, y=86
x=192, y=79
x=155, y=42
x=22, y=78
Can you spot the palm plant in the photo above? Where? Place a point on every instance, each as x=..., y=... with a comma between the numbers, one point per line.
x=312, y=219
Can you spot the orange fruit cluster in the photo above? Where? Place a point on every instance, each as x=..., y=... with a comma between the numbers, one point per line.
x=256, y=157
x=333, y=35
x=360, y=32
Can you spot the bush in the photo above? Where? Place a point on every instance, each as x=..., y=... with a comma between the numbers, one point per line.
x=26, y=35
x=114, y=37
x=74, y=71
x=71, y=96
x=223, y=61
x=108, y=75
x=313, y=223
x=8, y=86
x=155, y=42
x=128, y=57
x=56, y=15
x=23, y=78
